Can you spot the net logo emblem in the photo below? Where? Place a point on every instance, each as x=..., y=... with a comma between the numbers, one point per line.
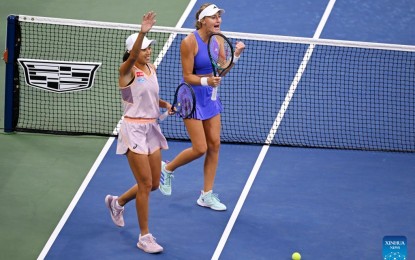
x=59, y=76
x=394, y=248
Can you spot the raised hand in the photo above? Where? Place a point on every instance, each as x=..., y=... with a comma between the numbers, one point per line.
x=148, y=21
x=239, y=48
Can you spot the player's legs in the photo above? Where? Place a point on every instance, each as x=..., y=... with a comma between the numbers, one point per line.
x=207, y=198
x=140, y=166
x=155, y=166
x=199, y=147
x=154, y=160
x=128, y=195
x=211, y=128
x=146, y=170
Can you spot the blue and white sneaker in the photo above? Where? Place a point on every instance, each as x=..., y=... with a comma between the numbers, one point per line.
x=210, y=200
x=165, y=180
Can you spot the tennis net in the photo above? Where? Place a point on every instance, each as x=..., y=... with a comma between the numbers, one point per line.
x=287, y=91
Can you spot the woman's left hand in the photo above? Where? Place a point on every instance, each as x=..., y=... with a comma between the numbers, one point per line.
x=149, y=19
x=239, y=48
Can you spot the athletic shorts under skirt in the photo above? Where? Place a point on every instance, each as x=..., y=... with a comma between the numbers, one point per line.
x=142, y=136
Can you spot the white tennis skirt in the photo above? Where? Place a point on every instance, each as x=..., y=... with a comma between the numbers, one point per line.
x=142, y=136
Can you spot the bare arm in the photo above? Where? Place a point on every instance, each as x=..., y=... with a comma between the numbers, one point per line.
x=125, y=69
x=164, y=104
x=188, y=51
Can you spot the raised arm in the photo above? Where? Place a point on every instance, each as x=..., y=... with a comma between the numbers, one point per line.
x=239, y=48
x=126, y=68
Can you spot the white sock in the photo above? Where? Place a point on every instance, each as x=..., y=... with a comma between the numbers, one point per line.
x=117, y=205
x=141, y=236
x=206, y=192
x=169, y=172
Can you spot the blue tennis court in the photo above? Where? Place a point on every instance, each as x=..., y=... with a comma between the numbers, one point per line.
x=323, y=203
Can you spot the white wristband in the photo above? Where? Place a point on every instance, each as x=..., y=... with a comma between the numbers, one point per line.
x=236, y=58
x=203, y=81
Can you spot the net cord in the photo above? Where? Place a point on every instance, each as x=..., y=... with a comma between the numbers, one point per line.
x=248, y=36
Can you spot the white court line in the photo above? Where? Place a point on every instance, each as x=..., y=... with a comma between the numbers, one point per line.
x=75, y=199
x=271, y=135
x=98, y=161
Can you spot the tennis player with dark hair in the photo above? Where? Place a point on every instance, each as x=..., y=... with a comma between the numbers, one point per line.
x=140, y=137
x=204, y=128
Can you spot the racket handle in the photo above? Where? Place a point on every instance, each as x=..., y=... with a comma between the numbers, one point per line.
x=164, y=115
x=214, y=93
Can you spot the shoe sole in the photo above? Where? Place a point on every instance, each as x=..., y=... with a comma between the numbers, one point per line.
x=155, y=252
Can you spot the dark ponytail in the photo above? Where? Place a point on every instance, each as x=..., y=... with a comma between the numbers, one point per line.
x=125, y=57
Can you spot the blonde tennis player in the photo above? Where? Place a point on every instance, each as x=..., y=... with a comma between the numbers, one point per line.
x=204, y=127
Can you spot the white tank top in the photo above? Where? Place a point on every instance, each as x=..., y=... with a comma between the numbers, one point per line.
x=141, y=97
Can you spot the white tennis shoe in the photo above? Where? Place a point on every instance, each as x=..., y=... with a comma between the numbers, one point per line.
x=148, y=244
x=210, y=200
x=115, y=212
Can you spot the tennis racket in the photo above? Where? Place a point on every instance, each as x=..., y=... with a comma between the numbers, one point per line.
x=221, y=56
x=184, y=102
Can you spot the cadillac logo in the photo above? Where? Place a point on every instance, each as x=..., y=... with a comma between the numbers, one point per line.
x=59, y=76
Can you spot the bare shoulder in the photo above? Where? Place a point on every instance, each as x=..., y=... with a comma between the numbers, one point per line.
x=152, y=66
x=189, y=40
x=189, y=43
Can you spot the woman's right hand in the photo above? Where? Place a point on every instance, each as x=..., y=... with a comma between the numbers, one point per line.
x=148, y=21
x=214, y=81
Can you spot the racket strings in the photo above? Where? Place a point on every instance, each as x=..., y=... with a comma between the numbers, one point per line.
x=185, y=102
x=221, y=54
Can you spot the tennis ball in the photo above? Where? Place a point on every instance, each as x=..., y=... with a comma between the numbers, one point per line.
x=296, y=256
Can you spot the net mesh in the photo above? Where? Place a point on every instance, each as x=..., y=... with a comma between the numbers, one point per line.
x=303, y=92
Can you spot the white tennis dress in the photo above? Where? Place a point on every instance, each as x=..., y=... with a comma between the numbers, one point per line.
x=140, y=131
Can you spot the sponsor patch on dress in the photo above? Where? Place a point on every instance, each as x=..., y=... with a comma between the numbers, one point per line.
x=140, y=76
